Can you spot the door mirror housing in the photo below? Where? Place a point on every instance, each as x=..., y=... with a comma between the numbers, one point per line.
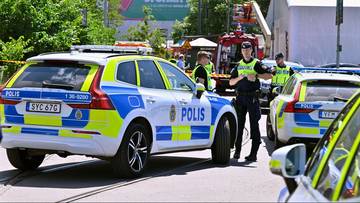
x=199, y=90
x=276, y=91
x=289, y=161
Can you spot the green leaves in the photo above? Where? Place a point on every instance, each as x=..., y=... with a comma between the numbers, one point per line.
x=143, y=32
x=31, y=27
x=13, y=50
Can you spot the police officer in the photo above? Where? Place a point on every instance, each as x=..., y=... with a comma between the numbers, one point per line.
x=210, y=66
x=200, y=74
x=281, y=74
x=245, y=78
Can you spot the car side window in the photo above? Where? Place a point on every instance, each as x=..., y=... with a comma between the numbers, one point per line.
x=331, y=173
x=126, y=72
x=177, y=78
x=149, y=75
x=289, y=87
x=351, y=187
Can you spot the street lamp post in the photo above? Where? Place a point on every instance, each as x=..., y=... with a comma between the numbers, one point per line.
x=339, y=21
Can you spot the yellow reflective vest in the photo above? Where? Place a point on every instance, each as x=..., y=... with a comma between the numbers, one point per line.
x=207, y=75
x=281, y=76
x=247, y=68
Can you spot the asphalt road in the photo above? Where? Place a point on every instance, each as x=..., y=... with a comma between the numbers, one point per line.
x=186, y=176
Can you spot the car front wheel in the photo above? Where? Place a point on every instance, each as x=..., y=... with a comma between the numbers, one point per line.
x=220, y=149
x=269, y=131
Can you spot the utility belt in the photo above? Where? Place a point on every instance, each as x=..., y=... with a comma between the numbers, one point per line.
x=249, y=94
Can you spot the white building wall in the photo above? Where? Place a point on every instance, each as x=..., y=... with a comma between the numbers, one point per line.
x=313, y=35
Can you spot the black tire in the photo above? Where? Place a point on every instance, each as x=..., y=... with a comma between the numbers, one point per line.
x=21, y=160
x=132, y=156
x=278, y=143
x=269, y=131
x=220, y=150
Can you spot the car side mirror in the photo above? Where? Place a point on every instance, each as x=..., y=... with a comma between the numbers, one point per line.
x=199, y=90
x=289, y=161
x=276, y=91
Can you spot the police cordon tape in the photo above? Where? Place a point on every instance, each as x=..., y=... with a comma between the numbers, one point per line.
x=12, y=61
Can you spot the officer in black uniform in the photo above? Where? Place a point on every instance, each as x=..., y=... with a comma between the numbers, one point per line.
x=245, y=78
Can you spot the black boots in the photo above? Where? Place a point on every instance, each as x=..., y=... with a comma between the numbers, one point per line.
x=253, y=152
x=237, y=154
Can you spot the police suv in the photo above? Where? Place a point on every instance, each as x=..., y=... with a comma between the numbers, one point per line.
x=102, y=101
x=307, y=105
x=332, y=173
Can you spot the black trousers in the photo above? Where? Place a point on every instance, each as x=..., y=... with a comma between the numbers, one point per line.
x=249, y=104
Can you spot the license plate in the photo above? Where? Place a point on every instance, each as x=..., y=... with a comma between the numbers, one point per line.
x=328, y=114
x=43, y=107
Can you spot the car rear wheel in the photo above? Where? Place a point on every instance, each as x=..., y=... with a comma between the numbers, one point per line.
x=133, y=154
x=21, y=159
x=269, y=131
x=220, y=149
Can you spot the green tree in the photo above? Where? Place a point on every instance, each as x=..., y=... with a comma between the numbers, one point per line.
x=13, y=50
x=143, y=32
x=213, y=17
x=53, y=25
x=179, y=29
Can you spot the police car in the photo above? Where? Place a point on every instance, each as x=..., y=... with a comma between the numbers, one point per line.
x=307, y=105
x=333, y=170
x=101, y=102
x=265, y=85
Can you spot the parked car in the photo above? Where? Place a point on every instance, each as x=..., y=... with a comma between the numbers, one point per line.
x=265, y=85
x=333, y=171
x=307, y=105
x=101, y=102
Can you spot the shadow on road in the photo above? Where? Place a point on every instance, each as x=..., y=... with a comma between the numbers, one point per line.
x=98, y=173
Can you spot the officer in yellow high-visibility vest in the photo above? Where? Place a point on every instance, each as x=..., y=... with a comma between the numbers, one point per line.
x=245, y=78
x=200, y=74
x=210, y=66
x=281, y=74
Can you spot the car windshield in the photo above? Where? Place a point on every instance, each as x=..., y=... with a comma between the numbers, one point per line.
x=63, y=76
x=322, y=145
x=330, y=90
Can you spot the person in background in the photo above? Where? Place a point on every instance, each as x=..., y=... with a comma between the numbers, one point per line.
x=210, y=68
x=180, y=63
x=200, y=74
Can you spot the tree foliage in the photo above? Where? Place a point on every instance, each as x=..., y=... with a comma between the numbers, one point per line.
x=213, y=17
x=13, y=50
x=143, y=32
x=53, y=25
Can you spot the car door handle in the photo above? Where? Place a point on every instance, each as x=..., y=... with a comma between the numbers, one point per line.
x=183, y=102
x=150, y=100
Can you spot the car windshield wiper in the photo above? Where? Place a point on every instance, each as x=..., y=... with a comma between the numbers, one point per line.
x=60, y=86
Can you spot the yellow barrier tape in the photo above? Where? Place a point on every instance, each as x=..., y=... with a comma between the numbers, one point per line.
x=12, y=61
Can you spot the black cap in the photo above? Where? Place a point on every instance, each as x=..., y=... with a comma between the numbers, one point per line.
x=246, y=45
x=279, y=56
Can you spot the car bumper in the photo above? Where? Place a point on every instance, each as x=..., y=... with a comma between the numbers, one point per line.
x=94, y=146
x=295, y=134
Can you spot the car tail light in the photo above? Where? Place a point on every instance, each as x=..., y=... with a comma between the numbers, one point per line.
x=4, y=101
x=99, y=99
x=290, y=107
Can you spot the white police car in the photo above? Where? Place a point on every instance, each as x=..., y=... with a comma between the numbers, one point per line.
x=307, y=105
x=113, y=106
